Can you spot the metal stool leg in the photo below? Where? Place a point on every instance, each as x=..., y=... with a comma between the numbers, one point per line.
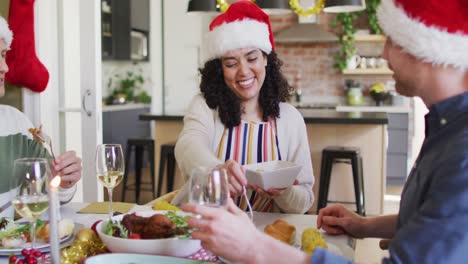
x=170, y=172
x=328, y=171
x=138, y=167
x=357, y=184
x=325, y=175
x=151, y=156
x=127, y=164
x=162, y=162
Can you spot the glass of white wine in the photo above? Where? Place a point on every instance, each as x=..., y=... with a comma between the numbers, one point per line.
x=110, y=166
x=29, y=182
x=209, y=187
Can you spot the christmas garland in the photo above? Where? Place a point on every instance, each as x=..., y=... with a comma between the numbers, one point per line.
x=223, y=5
x=297, y=8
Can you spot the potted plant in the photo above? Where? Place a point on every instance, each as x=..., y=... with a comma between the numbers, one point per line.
x=128, y=88
x=379, y=93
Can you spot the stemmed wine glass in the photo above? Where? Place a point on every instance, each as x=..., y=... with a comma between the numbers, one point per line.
x=29, y=182
x=110, y=168
x=209, y=187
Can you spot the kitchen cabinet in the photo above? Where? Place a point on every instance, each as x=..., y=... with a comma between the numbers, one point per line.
x=118, y=18
x=397, y=151
x=115, y=29
x=324, y=128
x=139, y=15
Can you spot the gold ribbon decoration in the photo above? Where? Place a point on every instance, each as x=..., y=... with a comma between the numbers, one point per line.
x=223, y=5
x=298, y=9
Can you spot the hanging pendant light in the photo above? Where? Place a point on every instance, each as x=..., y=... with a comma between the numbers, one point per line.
x=201, y=6
x=274, y=6
x=344, y=6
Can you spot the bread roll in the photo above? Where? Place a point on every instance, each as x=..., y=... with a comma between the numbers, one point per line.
x=66, y=227
x=282, y=231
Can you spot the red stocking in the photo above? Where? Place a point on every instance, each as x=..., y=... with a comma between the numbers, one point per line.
x=25, y=68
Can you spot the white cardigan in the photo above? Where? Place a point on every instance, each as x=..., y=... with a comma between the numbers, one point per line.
x=198, y=142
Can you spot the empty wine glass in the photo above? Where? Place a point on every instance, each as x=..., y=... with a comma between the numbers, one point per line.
x=29, y=182
x=209, y=187
x=110, y=168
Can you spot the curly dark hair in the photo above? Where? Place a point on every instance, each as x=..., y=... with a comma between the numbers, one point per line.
x=218, y=95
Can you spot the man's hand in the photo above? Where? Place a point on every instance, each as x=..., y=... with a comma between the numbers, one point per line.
x=224, y=232
x=337, y=220
x=68, y=166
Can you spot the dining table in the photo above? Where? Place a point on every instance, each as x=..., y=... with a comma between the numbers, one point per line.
x=339, y=244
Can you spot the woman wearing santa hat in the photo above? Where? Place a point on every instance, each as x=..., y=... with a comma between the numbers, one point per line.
x=241, y=116
x=16, y=141
x=427, y=48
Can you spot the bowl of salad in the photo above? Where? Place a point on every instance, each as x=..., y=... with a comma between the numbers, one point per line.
x=150, y=232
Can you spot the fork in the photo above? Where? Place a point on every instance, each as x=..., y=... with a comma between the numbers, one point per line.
x=46, y=139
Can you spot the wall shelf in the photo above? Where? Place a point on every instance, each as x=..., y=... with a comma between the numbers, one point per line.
x=376, y=71
x=370, y=38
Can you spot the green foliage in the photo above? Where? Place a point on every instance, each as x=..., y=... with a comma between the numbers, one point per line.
x=371, y=10
x=144, y=98
x=346, y=38
x=128, y=85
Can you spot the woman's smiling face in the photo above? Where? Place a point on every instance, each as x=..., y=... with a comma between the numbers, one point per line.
x=244, y=72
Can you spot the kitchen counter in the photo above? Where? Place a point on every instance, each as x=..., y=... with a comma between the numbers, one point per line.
x=325, y=127
x=311, y=116
x=121, y=107
x=373, y=109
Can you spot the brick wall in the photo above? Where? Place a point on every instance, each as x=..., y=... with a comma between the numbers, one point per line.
x=314, y=61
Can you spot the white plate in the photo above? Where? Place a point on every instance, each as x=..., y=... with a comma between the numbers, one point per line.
x=43, y=247
x=138, y=258
x=331, y=247
x=168, y=247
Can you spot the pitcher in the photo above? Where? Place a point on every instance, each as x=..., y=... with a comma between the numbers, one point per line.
x=353, y=62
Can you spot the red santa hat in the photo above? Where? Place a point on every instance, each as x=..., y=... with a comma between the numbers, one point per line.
x=243, y=25
x=5, y=32
x=432, y=30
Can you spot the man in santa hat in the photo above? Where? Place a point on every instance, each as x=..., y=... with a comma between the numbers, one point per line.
x=16, y=141
x=427, y=48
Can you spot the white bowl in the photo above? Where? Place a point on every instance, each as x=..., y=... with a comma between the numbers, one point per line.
x=272, y=174
x=176, y=247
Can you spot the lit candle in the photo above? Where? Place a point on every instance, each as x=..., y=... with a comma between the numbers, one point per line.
x=54, y=207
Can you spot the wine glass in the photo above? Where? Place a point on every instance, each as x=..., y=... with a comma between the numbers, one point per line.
x=209, y=187
x=110, y=168
x=29, y=182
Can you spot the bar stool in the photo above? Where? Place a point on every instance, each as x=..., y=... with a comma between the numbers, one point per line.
x=350, y=155
x=167, y=156
x=139, y=146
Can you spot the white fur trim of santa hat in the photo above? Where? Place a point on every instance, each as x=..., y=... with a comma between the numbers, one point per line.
x=430, y=43
x=238, y=34
x=5, y=32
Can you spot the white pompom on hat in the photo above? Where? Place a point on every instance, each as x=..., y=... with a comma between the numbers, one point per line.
x=5, y=32
x=243, y=25
x=432, y=30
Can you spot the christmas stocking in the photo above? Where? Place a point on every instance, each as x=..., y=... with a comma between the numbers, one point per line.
x=25, y=68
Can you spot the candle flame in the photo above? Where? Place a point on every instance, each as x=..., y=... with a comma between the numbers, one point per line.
x=55, y=181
